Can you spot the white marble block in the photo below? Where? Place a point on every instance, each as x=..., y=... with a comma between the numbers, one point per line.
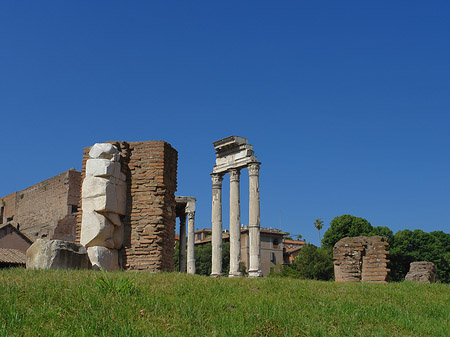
x=103, y=258
x=103, y=202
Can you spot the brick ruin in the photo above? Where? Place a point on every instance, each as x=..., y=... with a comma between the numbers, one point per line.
x=151, y=171
x=52, y=209
x=361, y=259
x=45, y=210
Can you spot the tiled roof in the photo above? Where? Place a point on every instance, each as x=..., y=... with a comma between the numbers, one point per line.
x=12, y=256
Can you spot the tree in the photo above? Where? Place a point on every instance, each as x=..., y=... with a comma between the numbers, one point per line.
x=344, y=226
x=318, y=223
x=203, y=255
x=408, y=246
x=312, y=262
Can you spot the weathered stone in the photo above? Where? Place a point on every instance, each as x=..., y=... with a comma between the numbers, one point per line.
x=361, y=258
x=103, y=200
x=103, y=258
x=103, y=150
x=422, y=272
x=232, y=154
x=56, y=254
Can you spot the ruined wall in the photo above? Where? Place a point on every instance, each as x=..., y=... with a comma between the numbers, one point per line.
x=8, y=203
x=151, y=171
x=47, y=208
x=361, y=259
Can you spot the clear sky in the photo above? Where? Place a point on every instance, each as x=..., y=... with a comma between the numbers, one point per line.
x=347, y=103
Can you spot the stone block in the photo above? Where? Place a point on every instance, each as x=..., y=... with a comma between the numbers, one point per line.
x=97, y=230
x=103, y=258
x=422, y=272
x=56, y=254
x=103, y=168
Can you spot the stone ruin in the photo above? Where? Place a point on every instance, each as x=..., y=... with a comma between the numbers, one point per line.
x=126, y=215
x=361, y=259
x=103, y=196
x=422, y=272
x=233, y=154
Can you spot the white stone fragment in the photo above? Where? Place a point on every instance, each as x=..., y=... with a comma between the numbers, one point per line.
x=105, y=151
x=96, y=230
x=103, y=168
x=104, y=258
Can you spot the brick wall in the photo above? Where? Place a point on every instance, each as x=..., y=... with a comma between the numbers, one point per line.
x=8, y=203
x=46, y=208
x=361, y=259
x=151, y=171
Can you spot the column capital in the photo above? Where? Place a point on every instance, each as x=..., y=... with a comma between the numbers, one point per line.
x=216, y=180
x=234, y=174
x=191, y=215
x=253, y=169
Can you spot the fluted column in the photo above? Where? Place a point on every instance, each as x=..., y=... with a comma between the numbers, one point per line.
x=182, y=252
x=190, y=243
x=216, y=219
x=254, y=269
x=235, y=224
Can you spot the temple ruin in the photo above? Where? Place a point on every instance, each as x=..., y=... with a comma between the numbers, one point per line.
x=233, y=154
x=361, y=259
x=186, y=209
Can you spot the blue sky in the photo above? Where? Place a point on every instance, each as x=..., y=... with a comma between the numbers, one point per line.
x=346, y=103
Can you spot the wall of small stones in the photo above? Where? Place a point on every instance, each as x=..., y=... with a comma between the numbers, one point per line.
x=361, y=259
x=45, y=208
x=151, y=170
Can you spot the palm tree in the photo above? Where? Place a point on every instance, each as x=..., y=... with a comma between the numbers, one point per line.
x=318, y=223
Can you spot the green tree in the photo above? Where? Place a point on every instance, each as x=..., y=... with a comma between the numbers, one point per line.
x=312, y=262
x=408, y=246
x=345, y=226
x=318, y=223
x=203, y=255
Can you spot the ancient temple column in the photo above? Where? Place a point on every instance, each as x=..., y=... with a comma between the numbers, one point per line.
x=254, y=269
x=216, y=219
x=235, y=224
x=190, y=243
x=182, y=247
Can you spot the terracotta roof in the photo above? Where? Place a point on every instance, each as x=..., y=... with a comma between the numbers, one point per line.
x=12, y=256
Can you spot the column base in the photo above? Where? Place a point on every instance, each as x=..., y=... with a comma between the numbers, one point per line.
x=235, y=275
x=215, y=275
x=256, y=273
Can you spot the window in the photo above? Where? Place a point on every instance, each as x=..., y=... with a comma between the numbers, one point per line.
x=74, y=209
x=275, y=243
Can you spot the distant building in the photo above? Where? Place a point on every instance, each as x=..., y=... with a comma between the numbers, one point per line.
x=13, y=246
x=291, y=249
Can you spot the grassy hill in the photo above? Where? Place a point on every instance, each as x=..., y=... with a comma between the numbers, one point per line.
x=89, y=303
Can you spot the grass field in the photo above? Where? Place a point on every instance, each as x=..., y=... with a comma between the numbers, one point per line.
x=89, y=303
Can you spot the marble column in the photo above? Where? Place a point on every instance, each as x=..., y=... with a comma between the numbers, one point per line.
x=216, y=219
x=182, y=255
x=254, y=269
x=235, y=224
x=190, y=243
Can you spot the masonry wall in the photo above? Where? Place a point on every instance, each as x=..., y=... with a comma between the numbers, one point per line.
x=151, y=170
x=46, y=209
x=361, y=259
x=8, y=203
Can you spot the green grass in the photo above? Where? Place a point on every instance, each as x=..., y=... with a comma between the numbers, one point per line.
x=90, y=303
